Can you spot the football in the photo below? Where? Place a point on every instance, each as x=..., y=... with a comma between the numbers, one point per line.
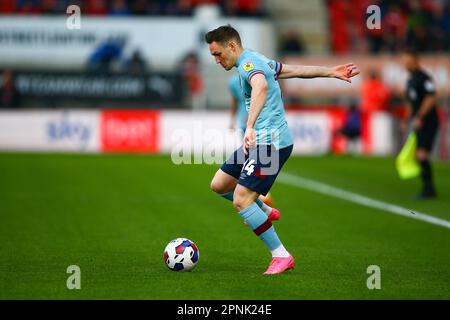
x=181, y=254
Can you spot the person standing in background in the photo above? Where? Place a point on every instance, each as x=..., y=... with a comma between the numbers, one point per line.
x=422, y=112
x=375, y=94
x=9, y=96
x=191, y=73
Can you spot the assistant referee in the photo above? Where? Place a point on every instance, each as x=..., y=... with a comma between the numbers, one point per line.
x=422, y=111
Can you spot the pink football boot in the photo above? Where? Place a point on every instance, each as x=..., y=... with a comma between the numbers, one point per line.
x=280, y=265
x=274, y=215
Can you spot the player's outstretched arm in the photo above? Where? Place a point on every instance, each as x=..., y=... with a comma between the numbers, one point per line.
x=342, y=72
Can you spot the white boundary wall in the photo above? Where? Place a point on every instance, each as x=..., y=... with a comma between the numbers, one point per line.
x=196, y=132
x=50, y=131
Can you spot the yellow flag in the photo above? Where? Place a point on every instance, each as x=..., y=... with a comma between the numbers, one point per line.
x=406, y=162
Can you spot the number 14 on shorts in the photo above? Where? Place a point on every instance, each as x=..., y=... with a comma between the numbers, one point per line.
x=249, y=166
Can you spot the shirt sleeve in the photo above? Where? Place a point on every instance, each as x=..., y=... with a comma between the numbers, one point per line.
x=276, y=66
x=428, y=86
x=251, y=68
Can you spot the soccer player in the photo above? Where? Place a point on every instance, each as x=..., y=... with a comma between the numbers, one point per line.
x=253, y=168
x=421, y=93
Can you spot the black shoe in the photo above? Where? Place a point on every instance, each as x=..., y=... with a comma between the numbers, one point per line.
x=427, y=194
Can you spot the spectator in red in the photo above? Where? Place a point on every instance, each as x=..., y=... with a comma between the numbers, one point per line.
x=7, y=6
x=375, y=95
x=395, y=24
x=396, y=21
x=96, y=7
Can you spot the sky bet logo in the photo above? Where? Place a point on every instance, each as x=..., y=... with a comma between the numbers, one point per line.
x=305, y=131
x=67, y=130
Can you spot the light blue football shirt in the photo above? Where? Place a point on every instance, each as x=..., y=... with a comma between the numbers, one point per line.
x=234, y=85
x=271, y=125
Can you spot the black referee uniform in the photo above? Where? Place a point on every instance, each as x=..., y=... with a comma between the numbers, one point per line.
x=419, y=85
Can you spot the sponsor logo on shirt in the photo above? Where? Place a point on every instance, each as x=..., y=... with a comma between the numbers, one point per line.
x=248, y=66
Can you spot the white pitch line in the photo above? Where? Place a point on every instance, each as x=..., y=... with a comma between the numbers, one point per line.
x=301, y=182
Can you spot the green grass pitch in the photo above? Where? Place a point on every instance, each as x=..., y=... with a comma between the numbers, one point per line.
x=112, y=215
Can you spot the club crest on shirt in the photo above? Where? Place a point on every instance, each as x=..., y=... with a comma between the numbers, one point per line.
x=248, y=66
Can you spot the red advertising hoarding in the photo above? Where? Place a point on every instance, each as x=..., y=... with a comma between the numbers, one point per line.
x=129, y=130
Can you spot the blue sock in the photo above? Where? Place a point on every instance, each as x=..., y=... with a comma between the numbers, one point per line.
x=257, y=220
x=229, y=196
x=259, y=202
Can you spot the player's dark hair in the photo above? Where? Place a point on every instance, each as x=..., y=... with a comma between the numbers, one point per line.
x=223, y=35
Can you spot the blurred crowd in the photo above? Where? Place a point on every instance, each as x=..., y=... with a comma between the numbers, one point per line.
x=130, y=7
x=423, y=25
x=420, y=24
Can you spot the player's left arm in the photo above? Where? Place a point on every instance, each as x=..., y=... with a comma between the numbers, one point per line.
x=342, y=72
x=257, y=101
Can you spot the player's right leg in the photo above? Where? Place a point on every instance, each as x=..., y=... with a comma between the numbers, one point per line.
x=256, y=179
x=225, y=180
x=223, y=184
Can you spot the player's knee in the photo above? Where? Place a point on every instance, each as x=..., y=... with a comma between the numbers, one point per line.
x=215, y=186
x=240, y=202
